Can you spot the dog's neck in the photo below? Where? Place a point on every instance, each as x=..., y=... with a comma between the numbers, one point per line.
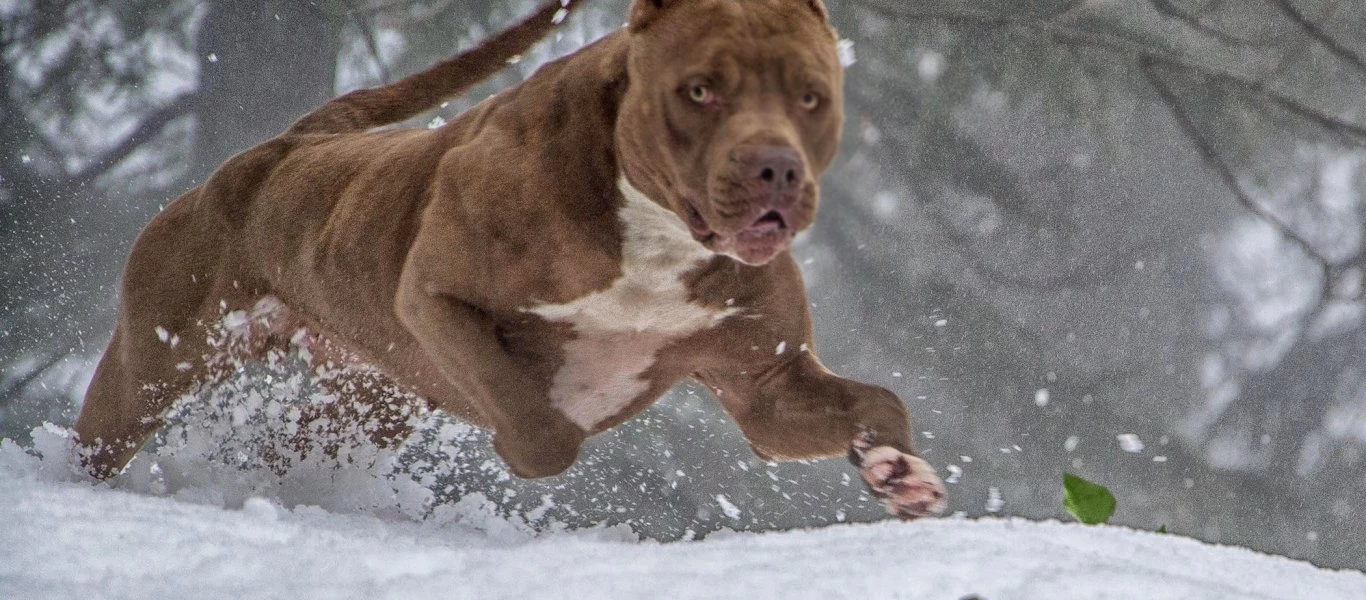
x=655, y=233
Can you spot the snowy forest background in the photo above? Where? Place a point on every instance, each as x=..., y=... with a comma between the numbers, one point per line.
x=1053, y=225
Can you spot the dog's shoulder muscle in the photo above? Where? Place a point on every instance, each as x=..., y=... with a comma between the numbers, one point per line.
x=530, y=178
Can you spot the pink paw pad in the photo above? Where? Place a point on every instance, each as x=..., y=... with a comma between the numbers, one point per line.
x=906, y=484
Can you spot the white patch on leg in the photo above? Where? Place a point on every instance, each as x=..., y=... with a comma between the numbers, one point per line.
x=619, y=330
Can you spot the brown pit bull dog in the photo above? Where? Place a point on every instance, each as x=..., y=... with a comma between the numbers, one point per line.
x=547, y=264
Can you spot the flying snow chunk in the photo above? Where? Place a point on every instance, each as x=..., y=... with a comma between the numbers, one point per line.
x=930, y=66
x=235, y=320
x=732, y=512
x=1129, y=442
x=162, y=334
x=1071, y=443
x=782, y=347
x=559, y=16
x=955, y=472
x=885, y=203
x=1041, y=397
x=994, y=501
x=846, y=52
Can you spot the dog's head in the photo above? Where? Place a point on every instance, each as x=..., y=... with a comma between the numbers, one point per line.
x=733, y=111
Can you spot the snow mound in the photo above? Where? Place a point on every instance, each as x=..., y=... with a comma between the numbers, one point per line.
x=68, y=539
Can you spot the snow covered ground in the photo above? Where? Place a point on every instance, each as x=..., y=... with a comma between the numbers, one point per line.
x=64, y=538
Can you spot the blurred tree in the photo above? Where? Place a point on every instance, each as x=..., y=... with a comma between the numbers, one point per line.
x=112, y=109
x=1103, y=202
x=252, y=94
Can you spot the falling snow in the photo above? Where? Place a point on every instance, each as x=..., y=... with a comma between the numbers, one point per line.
x=1129, y=442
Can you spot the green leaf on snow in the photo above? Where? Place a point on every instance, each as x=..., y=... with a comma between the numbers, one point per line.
x=1089, y=502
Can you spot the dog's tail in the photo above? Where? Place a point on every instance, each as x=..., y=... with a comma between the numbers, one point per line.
x=373, y=107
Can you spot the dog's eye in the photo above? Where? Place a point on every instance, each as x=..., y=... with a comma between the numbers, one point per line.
x=700, y=94
x=810, y=101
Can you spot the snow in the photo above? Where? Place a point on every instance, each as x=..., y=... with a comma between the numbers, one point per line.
x=955, y=473
x=994, y=500
x=727, y=507
x=845, y=48
x=930, y=66
x=1041, y=397
x=1129, y=442
x=64, y=537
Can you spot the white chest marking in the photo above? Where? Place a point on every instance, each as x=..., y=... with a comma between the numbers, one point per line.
x=619, y=330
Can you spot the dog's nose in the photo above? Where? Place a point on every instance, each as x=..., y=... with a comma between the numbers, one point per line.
x=777, y=170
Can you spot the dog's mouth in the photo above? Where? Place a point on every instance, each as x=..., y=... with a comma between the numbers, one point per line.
x=769, y=220
x=697, y=225
x=755, y=244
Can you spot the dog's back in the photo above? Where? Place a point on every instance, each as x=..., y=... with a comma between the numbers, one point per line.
x=201, y=260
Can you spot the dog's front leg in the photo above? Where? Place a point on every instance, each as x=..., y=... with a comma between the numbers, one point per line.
x=533, y=438
x=794, y=408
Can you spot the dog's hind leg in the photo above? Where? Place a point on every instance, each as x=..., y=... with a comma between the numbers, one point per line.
x=144, y=370
x=171, y=287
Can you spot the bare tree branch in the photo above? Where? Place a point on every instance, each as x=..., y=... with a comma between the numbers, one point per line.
x=1077, y=277
x=21, y=382
x=145, y=131
x=368, y=34
x=1133, y=49
x=388, y=6
x=972, y=15
x=1314, y=31
x=1225, y=171
x=15, y=132
x=1351, y=132
x=1169, y=9
x=1148, y=58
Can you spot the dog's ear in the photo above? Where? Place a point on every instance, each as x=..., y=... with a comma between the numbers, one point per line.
x=643, y=12
x=819, y=8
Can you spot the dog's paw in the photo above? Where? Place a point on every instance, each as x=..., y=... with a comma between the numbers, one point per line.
x=905, y=484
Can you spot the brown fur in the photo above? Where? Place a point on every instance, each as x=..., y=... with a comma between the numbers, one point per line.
x=421, y=252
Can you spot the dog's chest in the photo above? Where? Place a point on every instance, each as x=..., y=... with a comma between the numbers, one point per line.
x=618, y=331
